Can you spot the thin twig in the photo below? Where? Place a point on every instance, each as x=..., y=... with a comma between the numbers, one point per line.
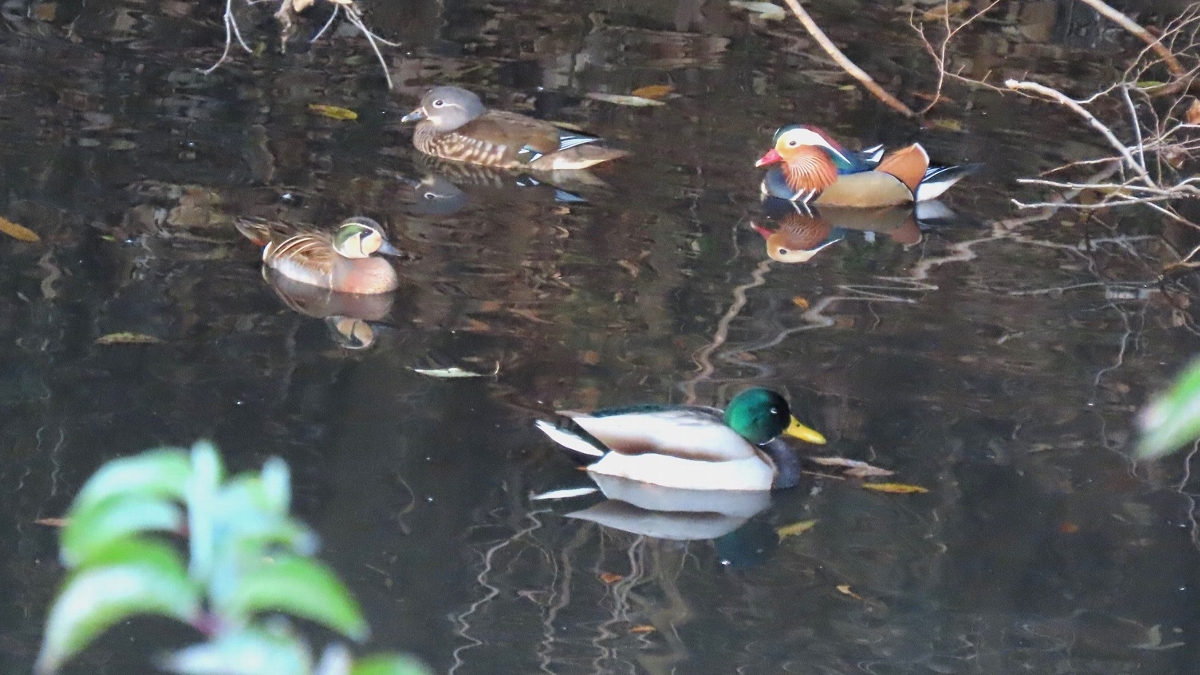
x=231, y=30
x=1130, y=25
x=1061, y=98
x=939, y=56
x=846, y=64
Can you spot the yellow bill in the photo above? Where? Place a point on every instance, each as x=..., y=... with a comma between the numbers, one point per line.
x=797, y=430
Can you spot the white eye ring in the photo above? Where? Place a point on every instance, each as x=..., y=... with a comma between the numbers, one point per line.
x=438, y=103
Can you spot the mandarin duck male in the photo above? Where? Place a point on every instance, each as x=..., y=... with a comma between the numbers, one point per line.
x=817, y=170
x=342, y=261
x=690, y=447
x=454, y=124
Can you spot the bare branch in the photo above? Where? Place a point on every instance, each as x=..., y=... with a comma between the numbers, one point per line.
x=846, y=64
x=1073, y=105
x=1130, y=25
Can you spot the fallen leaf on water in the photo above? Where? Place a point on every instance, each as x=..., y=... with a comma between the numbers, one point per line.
x=855, y=468
x=1154, y=640
x=848, y=87
x=844, y=589
x=794, y=529
x=644, y=628
x=1067, y=527
x=1193, y=112
x=610, y=578
x=766, y=11
x=895, y=488
x=1149, y=84
x=632, y=268
x=620, y=99
x=947, y=124
x=568, y=126
x=565, y=493
x=18, y=232
x=947, y=10
x=924, y=96
x=301, y=5
x=453, y=372
x=127, y=339
x=654, y=91
x=529, y=314
x=52, y=522
x=333, y=112
x=800, y=302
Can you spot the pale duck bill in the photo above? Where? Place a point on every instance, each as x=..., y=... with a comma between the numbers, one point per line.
x=414, y=116
x=387, y=249
x=798, y=430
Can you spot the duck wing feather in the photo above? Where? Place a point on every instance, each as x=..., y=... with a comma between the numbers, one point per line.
x=690, y=433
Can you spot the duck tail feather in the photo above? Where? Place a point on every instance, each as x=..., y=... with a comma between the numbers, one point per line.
x=938, y=179
x=256, y=230
x=578, y=441
x=578, y=157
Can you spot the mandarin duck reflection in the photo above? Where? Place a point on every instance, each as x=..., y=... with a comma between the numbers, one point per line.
x=454, y=124
x=690, y=447
x=803, y=233
x=815, y=169
x=342, y=261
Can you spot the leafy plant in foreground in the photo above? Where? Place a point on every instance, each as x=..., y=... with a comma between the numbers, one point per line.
x=246, y=557
x=1173, y=419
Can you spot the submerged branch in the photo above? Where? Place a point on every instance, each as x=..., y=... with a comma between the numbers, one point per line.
x=1144, y=35
x=286, y=13
x=845, y=63
x=1075, y=107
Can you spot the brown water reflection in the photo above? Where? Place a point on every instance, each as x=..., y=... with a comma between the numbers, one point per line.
x=997, y=365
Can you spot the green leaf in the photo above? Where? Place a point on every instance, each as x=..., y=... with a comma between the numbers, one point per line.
x=99, y=524
x=335, y=661
x=96, y=598
x=251, y=509
x=151, y=552
x=277, y=484
x=297, y=586
x=201, y=500
x=157, y=473
x=250, y=651
x=390, y=664
x=1173, y=419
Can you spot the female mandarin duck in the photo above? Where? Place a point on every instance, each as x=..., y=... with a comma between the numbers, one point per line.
x=341, y=261
x=817, y=169
x=691, y=447
x=454, y=124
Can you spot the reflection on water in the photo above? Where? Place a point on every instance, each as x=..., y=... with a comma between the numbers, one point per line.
x=996, y=362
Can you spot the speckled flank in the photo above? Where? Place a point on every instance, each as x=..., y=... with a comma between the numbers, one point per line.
x=461, y=148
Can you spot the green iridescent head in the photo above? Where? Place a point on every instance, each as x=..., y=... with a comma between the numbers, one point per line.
x=759, y=415
x=360, y=237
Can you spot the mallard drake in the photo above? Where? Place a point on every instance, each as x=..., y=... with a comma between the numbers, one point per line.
x=817, y=169
x=690, y=447
x=341, y=261
x=454, y=124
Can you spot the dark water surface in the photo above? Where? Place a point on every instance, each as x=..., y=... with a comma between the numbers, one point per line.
x=1039, y=548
